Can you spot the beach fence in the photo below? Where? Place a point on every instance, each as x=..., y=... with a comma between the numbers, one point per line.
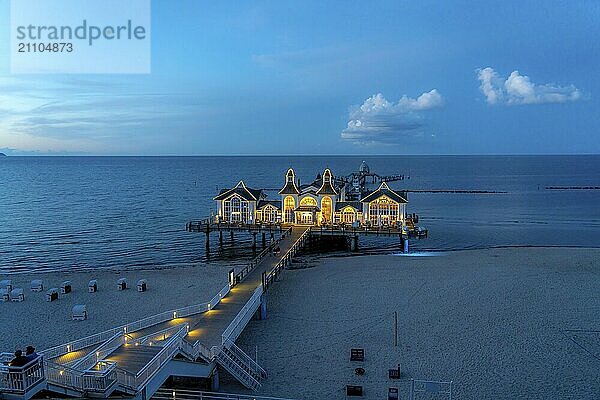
x=182, y=394
x=441, y=389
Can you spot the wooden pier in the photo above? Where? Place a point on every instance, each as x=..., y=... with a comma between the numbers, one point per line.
x=135, y=359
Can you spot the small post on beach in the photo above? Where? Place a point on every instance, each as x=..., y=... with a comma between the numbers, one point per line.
x=231, y=235
x=395, y=328
x=220, y=238
x=264, y=240
x=254, y=241
x=355, y=244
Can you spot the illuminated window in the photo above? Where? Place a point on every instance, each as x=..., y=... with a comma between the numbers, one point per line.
x=326, y=208
x=236, y=210
x=383, y=211
x=348, y=215
x=289, y=204
x=308, y=201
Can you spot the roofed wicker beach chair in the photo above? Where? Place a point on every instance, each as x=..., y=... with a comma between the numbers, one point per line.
x=122, y=284
x=79, y=312
x=37, y=285
x=93, y=286
x=6, y=284
x=66, y=287
x=17, y=295
x=142, y=285
x=52, y=294
x=4, y=294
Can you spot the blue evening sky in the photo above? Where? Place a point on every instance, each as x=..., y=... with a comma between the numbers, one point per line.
x=328, y=77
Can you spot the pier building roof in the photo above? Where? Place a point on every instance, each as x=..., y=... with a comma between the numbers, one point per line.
x=264, y=203
x=243, y=191
x=340, y=205
x=327, y=185
x=384, y=190
x=290, y=185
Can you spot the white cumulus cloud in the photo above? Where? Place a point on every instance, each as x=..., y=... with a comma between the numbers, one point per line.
x=519, y=89
x=378, y=120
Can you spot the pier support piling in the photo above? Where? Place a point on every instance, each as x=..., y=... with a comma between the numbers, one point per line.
x=262, y=310
x=221, y=238
x=404, y=244
x=355, y=243
x=253, y=241
x=264, y=240
x=231, y=235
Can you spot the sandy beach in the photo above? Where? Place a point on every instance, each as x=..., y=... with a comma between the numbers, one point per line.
x=499, y=323
x=46, y=324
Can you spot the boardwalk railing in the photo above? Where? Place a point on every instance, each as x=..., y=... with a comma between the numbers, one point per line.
x=20, y=379
x=144, y=323
x=287, y=257
x=248, y=268
x=170, y=348
x=100, y=352
x=179, y=394
x=237, y=325
x=239, y=353
x=63, y=376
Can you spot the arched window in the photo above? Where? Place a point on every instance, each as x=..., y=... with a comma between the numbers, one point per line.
x=383, y=211
x=326, y=206
x=308, y=201
x=289, y=204
x=348, y=215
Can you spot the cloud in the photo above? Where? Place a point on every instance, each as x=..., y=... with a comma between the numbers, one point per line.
x=518, y=89
x=378, y=120
x=55, y=115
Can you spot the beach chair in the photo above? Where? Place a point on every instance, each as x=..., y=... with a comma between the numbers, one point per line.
x=394, y=373
x=93, y=286
x=4, y=294
x=65, y=287
x=17, y=295
x=37, y=285
x=357, y=354
x=52, y=294
x=353, y=390
x=6, y=284
x=79, y=312
x=122, y=284
x=142, y=285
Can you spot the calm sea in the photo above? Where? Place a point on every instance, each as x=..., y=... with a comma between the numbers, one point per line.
x=96, y=212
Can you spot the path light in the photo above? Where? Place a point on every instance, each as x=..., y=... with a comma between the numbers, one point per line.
x=174, y=314
x=68, y=348
x=61, y=372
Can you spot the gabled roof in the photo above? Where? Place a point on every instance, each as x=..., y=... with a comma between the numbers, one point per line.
x=340, y=205
x=383, y=190
x=290, y=185
x=264, y=203
x=327, y=185
x=241, y=190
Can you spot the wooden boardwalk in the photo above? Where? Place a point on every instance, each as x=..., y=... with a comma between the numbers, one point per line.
x=207, y=327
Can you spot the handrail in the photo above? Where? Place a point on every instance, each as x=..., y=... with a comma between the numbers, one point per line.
x=255, y=261
x=244, y=357
x=231, y=332
x=170, y=394
x=21, y=379
x=297, y=244
x=99, y=352
x=165, y=354
x=143, y=323
x=153, y=336
x=63, y=376
x=241, y=372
